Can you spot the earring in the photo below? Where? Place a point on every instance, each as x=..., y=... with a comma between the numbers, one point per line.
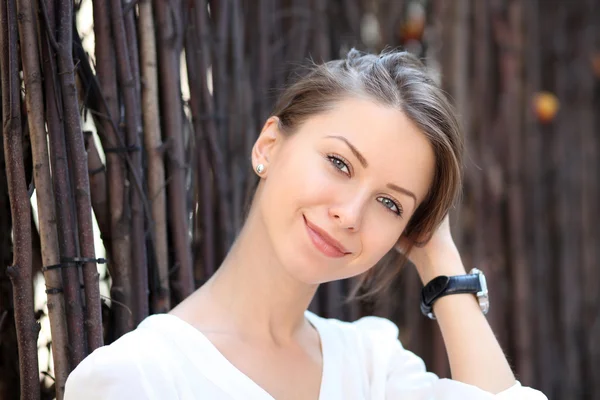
x=260, y=168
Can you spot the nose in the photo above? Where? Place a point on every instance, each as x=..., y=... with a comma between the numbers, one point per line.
x=349, y=213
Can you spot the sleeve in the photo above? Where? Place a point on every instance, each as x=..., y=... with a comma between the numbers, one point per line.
x=405, y=376
x=117, y=374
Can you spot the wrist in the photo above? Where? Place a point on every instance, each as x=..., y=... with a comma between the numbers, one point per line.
x=473, y=283
x=456, y=304
x=447, y=263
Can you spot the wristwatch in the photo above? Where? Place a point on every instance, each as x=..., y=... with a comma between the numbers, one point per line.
x=474, y=282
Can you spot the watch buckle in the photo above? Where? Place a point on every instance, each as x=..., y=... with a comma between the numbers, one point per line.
x=483, y=296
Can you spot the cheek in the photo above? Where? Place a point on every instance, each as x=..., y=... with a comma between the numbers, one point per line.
x=379, y=240
x=298, y=180
x=306, y=180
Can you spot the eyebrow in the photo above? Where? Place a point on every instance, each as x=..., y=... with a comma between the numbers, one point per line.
x=354, y=150
x=403, y=191
x=364, y=163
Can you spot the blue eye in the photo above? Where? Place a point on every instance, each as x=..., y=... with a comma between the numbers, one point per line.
x=339, y=164
x=390, y=204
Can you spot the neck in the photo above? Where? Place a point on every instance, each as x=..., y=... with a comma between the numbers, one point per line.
x=255, y=290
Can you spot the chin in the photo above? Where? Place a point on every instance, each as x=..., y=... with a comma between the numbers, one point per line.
x=313, y=269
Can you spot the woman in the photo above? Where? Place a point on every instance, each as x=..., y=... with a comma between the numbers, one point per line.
x=360, y=159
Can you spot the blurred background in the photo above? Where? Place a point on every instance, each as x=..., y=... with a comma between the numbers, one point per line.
x=127, y=130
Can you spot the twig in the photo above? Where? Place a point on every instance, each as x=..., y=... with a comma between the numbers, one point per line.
x=133, y=127
x=20, y=271
x=48, y=26
x=169, y=44
x=77, y=158
x=129, y=6
x=153, y=143
x=47, y=216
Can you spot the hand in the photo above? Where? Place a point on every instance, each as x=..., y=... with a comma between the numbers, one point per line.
x=439, y=256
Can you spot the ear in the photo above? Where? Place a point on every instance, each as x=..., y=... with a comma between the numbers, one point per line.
x=403, y=244
x=266, y=145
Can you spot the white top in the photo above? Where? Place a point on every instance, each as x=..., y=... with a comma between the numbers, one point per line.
x=167, y=358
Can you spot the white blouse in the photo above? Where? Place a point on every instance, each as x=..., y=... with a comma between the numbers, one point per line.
x=167, y=358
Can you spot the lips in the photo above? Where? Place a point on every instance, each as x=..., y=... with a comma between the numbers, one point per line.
x=324, y=242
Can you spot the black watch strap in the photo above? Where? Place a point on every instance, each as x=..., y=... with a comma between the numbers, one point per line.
x=446, y=285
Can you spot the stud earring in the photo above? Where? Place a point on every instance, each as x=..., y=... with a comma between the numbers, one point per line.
x=260, y=168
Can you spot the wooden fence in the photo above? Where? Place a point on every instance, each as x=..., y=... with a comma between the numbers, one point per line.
x=144, y=131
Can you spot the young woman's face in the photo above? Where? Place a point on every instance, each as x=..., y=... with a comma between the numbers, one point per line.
x=338, y=193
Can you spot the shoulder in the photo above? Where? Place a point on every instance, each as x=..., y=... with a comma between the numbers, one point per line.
x=368, y=328
x=370, y=351
x=132, y=366
x=151, y=334
x=373, y=340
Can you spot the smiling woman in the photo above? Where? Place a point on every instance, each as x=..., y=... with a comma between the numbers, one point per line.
x=361, y=158
x=337, y=170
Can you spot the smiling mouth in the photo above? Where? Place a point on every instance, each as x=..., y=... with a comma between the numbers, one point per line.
x=324, y=242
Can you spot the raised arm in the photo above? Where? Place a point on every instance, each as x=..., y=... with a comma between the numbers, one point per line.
x=475, y=355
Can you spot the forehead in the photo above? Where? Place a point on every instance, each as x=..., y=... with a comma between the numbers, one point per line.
x=394, y=147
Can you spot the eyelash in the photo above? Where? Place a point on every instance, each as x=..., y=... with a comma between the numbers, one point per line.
x=333, y=158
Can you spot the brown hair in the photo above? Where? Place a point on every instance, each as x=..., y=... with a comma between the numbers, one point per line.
x=397, y=79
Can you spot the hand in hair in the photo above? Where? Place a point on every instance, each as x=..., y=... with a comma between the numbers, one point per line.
x=438, y=256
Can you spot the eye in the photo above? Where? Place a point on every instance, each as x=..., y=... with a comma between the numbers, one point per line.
x=390, y=204
x=339, y=163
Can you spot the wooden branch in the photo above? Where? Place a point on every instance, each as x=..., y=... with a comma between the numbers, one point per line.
x=20, y=271
x=98, y=190
x=567, y=192
x=536, y=166
x=279, y=32
x=9, y=370
x=81, y=185
x=481, y=124
x=160, y=292
x=300, y=24
x=118, y=197
x=200, y=269
x=129, y=6
x=510, y=30
x=133, y=133
x=47, y=218
x=141, y=217
x=243, y=176
x=169, y=44
x=67, y=227
x=321, y=50
x=99, y=108
x=215, y=153
x=238, y=126
x=220, y=16
x=204, y=179
x=589, y=103
x=131, y=38
x=264, y=60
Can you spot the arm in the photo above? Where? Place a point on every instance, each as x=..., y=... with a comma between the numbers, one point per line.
x=475, y=355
